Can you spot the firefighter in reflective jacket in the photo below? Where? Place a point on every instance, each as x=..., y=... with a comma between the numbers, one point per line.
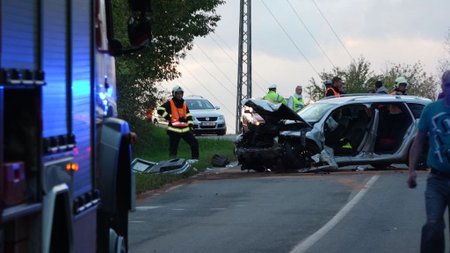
x=180, y=125
x=336, y=87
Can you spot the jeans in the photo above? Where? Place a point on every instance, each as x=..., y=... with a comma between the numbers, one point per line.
x=437, y=199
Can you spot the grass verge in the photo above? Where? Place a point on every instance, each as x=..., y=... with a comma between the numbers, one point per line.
x=153, y=145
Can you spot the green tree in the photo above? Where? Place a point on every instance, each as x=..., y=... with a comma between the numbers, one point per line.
x=359, y=78
x=444, y=62
x=420, y=83
x=174, y=25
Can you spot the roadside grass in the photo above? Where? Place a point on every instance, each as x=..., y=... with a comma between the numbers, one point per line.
x=153, y=145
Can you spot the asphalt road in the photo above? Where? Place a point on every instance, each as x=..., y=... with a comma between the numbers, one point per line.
x=339, y=212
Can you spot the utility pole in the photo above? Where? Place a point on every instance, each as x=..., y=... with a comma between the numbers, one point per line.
x=244, y=58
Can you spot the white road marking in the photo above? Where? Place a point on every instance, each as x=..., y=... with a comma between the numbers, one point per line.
x=312, y=239
x=146, y=208
x=136, y=221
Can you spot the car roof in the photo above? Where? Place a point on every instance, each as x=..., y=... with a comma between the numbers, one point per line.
x=194, y=97
x=371, y=98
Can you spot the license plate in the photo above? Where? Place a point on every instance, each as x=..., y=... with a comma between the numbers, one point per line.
x=208, y=123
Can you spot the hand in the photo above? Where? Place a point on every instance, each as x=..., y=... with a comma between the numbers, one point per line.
x=133, y=138
x=412, y=183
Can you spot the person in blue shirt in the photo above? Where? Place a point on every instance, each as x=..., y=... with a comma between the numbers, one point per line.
x=434, y=124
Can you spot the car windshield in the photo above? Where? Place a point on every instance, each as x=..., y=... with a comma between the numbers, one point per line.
x=314, y=112
x=199, y=104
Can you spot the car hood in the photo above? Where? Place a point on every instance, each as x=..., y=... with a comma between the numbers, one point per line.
x=272, y=112
x=205, y=113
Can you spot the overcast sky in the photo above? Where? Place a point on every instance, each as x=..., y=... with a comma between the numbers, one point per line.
x=385, y=32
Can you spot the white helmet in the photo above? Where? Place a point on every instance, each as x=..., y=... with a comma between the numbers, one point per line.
x=176, y=89
x=401, y=79
x=272, y=86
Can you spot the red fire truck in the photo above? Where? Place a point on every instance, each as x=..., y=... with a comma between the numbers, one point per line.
x=65, y=178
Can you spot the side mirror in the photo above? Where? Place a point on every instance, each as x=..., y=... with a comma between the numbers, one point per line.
x=217, y=107
x=140, y=5
x=138, y=27
x=139, y=30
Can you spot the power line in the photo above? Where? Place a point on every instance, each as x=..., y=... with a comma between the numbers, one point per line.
x=289, y=37
x=205, y=87
x=235, y=62
x=214, y=77
x=186, y=88
x=310, y=33
x=332, y=29
x=218, y=68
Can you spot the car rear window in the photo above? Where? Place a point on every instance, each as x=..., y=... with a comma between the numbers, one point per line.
x=416, y=109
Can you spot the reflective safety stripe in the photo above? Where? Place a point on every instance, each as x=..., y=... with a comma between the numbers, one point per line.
x=335, y=93
x=297, y=103
x=178, y=130
x=180, y=124
x=161, y=108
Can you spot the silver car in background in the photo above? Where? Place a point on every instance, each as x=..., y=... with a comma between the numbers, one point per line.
x=207, y=118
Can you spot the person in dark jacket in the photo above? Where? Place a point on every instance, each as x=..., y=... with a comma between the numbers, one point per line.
x=336, y=87
x=180, y=126
x=380, y=88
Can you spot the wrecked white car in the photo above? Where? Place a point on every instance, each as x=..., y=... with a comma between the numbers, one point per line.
x=333, y=132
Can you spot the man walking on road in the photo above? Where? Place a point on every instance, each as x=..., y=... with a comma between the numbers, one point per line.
x=434, y=123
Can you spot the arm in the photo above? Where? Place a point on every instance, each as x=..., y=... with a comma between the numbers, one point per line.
x=414, y=154
x=329, y=93
x=164, y=110
x=290, y=103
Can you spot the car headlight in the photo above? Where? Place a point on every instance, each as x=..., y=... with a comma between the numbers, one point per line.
x=221, y=118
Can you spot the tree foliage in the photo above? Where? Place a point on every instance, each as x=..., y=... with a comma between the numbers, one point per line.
x=359, y=78
x=420, y=83
x=444, y=62
x=174, y=25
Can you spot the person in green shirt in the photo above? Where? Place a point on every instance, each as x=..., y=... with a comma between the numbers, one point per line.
x=273, y=96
